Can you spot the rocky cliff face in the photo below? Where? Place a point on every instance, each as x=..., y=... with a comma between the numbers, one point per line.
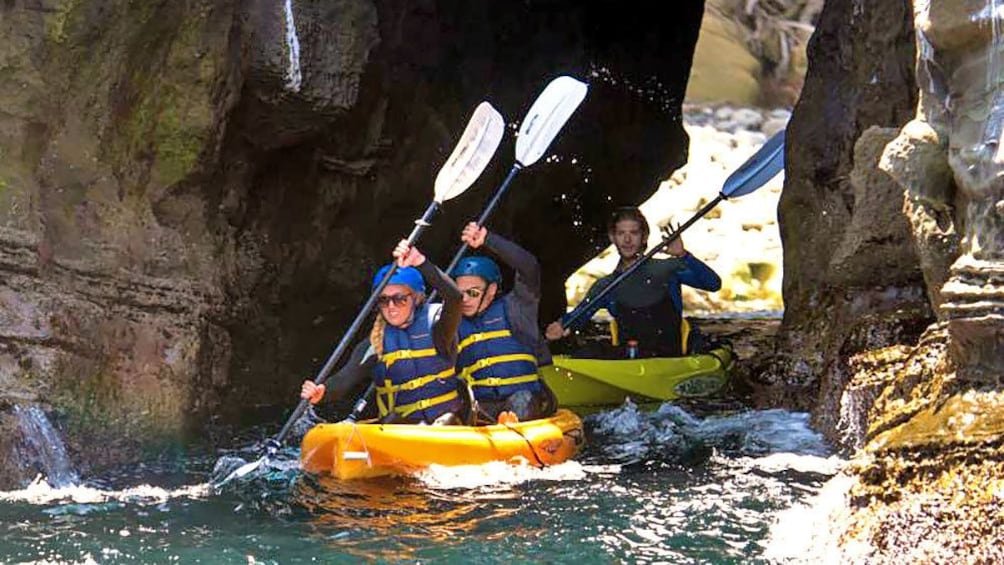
x=851, y=280
x=921, y=408
x=194, y=194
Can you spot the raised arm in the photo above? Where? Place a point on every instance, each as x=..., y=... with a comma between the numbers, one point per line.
x=697, y=274
x=444, y=330
x=527, y=283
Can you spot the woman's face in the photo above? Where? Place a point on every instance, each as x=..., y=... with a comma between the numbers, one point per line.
x=396, y=303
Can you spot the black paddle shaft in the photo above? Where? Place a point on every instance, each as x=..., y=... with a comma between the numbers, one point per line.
x=582, y=307
x=343, y=346
x=492, y=204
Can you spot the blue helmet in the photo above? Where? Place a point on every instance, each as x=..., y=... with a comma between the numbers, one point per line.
x=408, y=276
x=478, y=266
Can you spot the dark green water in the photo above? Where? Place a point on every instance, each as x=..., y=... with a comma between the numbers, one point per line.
x=651, y=487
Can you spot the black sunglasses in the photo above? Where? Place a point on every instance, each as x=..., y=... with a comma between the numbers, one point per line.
x=474, y=292
x=384, y=300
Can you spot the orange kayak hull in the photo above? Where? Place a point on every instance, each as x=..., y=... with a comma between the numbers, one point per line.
x=365, y=449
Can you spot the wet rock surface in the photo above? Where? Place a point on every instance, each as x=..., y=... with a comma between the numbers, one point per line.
x=921, y=414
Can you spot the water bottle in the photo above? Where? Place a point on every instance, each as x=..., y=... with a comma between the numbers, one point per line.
x=632, y=349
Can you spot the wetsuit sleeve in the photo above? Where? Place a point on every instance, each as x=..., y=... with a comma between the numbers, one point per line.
x=593, y=304
x=355, y=371
x=444, y=329
x=523, y=303
x=697, y=274
x=526, y=287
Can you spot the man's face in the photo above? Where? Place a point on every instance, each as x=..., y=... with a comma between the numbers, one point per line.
x=628, y=236
x=477, y=294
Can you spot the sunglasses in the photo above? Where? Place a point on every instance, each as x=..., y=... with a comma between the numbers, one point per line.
x=399, y=300
x=474, y=292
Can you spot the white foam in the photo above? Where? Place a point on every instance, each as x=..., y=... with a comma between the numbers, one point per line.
x=499, y=474
x=40, y=492
x=811, y=532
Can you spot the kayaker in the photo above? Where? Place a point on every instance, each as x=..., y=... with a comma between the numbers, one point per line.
x=412, y=348
x=500, y=346
x=648, y=305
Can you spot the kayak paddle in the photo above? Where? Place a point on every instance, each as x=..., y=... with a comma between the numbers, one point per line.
x=470, y=157
x=767, y=162
x=548, y=114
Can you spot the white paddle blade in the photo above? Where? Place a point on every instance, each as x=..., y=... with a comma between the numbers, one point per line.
x=480, y=140
x=241, y=471
x=547, y=116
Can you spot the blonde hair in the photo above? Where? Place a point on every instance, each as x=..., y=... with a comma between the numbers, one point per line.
x=376, y=334
x=380, y=325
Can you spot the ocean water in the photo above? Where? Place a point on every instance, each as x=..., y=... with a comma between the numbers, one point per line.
x=661, y=485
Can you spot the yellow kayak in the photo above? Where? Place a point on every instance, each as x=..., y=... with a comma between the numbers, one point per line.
x=605, y=382
x=367, y=449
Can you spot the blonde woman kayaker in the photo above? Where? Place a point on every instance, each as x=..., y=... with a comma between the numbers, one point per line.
x=648, y=305
x=500, y=344
x=412, y=347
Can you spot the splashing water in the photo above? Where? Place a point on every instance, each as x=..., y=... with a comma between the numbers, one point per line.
x=715, y=506
x=42, y=447
x=629, y=435
x=41, y=492
x=809, y=532
x=293, y=75
x=499, y=475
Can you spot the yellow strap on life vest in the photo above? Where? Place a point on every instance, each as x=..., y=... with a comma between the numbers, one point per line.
x=395, y=356
x=469, y=371
x=406, y=409
x=390, y=389
x=684, y=334
x=482, y=336
x=502, y=381
x=416, y=382
x=615, y=337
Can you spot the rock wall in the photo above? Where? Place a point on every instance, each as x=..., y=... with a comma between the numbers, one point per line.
x=851, y=275
x=110, y=114
x=921, y=409
x=928, y=481
x=194, y=194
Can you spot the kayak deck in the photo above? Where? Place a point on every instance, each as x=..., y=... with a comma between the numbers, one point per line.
x=603, y=382
x=365, y=449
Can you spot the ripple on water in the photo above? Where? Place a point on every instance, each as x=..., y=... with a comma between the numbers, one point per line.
x=678, y=489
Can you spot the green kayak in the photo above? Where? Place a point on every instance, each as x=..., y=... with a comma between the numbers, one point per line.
x=604, y=382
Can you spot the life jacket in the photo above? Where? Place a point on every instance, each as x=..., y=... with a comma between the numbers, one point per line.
x=687, y=333
x=411, y=378
x=492, y=361
x=657, y=328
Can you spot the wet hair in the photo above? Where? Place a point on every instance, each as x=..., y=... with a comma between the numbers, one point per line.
x=628, y=213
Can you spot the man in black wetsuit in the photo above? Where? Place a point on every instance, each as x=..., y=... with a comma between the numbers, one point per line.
x=648, y=305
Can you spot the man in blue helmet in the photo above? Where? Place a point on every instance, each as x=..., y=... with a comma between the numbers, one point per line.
x=500, y=346
x=411, y=350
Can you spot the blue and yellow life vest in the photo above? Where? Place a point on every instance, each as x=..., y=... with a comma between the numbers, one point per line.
x=411, y=378
x=492, y=361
